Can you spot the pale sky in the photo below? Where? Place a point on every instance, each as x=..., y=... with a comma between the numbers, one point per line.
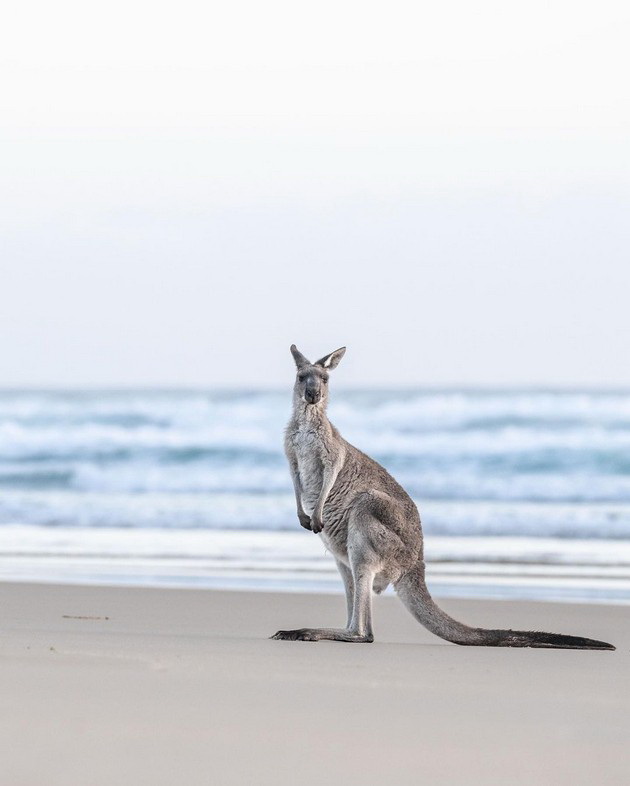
x=188, y=188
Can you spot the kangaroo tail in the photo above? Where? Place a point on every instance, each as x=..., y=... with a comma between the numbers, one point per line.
x=413, y=592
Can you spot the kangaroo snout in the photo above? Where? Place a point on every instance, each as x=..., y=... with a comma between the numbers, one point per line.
x=312, y=396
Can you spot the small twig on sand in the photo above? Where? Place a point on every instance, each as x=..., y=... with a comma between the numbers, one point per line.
x=81, y=617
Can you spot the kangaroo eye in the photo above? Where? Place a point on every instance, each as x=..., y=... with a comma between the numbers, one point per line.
x=325, y=380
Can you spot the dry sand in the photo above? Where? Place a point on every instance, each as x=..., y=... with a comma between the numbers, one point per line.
x=182, y=687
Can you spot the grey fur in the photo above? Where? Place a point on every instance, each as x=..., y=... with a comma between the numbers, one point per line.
x=371, y=526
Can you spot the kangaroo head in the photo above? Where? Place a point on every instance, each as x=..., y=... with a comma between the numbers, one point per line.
x=311, y=380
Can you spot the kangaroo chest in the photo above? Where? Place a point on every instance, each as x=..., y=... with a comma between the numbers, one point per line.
x=307, y=443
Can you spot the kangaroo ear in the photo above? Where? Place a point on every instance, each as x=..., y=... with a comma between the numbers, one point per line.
x=332, y=361
x=299, y=358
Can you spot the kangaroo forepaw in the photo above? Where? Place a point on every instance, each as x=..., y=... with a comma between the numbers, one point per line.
x=305, y=520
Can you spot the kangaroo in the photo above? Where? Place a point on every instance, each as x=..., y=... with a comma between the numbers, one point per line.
x=371, y=526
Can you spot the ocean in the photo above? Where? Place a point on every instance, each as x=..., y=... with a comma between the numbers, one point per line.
x=522, y=494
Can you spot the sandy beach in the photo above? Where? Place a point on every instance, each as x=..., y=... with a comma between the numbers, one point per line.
x=147, y=686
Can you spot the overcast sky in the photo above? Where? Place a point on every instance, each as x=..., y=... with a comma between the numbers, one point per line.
x=188, y=188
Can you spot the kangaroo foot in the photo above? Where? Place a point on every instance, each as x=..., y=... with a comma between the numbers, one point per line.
x=323, y=634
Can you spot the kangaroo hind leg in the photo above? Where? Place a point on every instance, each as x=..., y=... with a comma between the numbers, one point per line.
x=359, y=629
x=364, y=529
x=348, y=585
